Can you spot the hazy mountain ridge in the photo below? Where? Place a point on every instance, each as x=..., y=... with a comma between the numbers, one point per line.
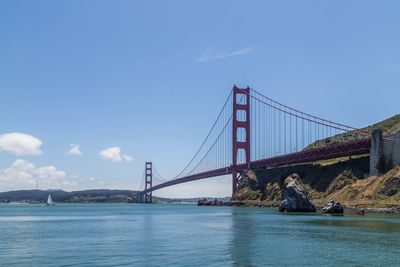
x=88, y=196
x=92, y=195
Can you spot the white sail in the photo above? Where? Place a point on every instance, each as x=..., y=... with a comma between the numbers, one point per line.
x=50, y=201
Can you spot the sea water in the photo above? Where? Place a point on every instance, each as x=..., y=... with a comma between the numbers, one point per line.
x=188, y=235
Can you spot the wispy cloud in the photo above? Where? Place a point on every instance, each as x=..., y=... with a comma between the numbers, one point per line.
x=74, y=150
x=127, y=158
x=209, y=56
x=395, y=68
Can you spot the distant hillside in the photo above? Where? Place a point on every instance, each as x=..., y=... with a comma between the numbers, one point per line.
x=88, y=196
x=387, y=126
x=190, y=200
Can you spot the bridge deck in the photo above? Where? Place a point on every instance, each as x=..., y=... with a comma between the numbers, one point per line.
x=333, y=151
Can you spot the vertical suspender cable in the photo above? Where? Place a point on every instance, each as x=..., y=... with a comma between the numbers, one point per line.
x=296, y=135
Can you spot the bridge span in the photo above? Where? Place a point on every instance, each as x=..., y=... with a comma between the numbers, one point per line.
x=253, y=131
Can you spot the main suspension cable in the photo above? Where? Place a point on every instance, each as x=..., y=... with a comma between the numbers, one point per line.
x=209, y=133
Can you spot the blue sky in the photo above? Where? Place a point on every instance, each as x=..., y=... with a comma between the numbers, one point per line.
x=149, y=77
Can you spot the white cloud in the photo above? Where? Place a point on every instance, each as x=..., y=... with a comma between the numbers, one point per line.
x=127, y=158
x=20, y=144
x=19, y=170
x=208, y=56
x=92, y=179
x=49, y=172
x=114, y=154
x=74, y=150
x=23, y=174
x=111, y=153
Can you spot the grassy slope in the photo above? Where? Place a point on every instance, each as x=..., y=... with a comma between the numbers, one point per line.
x=387, y=126
x=374, y=191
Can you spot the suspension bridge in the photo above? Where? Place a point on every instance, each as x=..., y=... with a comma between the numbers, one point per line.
x=254, y=131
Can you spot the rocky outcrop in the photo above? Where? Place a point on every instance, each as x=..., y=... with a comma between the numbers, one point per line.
x=202, y=202
x=205, y=202
x=295, y=197
x=333, y=207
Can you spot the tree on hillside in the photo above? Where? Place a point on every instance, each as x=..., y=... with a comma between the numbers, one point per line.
x=383, y=164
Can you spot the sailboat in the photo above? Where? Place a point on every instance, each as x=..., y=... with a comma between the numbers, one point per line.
x=50, y=201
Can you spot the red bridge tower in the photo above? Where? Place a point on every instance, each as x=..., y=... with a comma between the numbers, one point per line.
x=148, y=197
x=241, y=124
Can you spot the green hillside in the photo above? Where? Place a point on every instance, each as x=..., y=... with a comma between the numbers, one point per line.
x=85, y=196
x=387, y=126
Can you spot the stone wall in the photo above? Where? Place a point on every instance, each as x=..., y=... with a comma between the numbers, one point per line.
x=396, y=150
x=379, y=147
x=376, y=152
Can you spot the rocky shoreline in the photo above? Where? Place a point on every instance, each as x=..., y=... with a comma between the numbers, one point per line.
x=292, y=195
x=261, y=204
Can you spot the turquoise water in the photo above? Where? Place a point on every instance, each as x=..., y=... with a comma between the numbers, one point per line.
x=187, y=235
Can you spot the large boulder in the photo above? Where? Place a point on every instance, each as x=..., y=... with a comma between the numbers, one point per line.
x=333, y=207
x=295, y=197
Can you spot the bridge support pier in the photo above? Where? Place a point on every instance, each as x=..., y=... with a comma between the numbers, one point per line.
x=240, y=132
x=140, y=198
x=148, y=197
x=382, y=147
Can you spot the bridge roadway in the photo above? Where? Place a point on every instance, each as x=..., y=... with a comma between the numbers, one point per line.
x=357, y=147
